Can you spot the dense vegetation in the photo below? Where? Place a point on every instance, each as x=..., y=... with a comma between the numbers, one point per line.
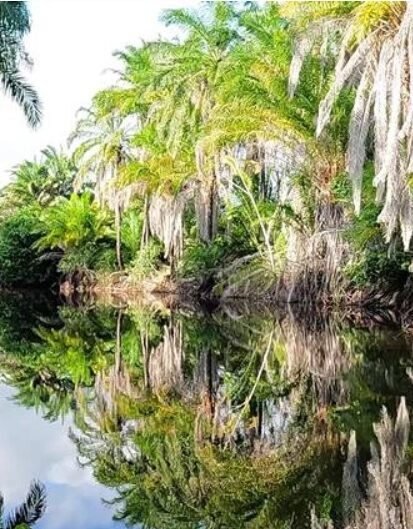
x=267, y=149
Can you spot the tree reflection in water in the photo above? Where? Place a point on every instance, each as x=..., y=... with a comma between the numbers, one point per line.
x=29, y=512
x=230, y=420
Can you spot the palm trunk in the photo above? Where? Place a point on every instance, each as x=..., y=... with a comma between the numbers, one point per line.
x=207, y=210
x=118, y=347
x=206, y=203
x=172, y=261
x=146, y=353
x=118, y=222
x=145, y=227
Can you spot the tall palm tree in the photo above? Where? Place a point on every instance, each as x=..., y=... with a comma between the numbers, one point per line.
x=14, y=26
x=252, y=106
x=29, y=512
x=375, y=55
x=189, y=74
x=103, y=147
x=163, y=161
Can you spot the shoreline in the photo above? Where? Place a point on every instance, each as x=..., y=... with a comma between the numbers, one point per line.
x=377, y=305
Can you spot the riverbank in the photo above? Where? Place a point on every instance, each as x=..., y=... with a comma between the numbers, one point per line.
x=365, y=307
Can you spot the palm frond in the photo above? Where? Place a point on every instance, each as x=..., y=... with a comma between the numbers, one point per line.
x=31, y=510
x=24, y=94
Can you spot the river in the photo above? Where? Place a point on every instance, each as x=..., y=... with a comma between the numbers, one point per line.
x=187, y=419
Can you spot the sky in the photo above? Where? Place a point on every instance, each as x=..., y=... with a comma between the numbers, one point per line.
x=71, y=44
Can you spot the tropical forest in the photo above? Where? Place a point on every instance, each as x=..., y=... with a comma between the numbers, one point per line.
x=206, y=290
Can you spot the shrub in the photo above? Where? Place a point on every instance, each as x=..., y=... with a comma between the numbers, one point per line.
x=92, y=256
x=372, y=261
x=131, y=233
x=376, y=266
x=201, y=257
x=146, y=260
x=19, y=262
x=105, y=258
x=74, y=222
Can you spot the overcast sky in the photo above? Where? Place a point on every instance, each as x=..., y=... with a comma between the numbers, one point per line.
x=71, y=44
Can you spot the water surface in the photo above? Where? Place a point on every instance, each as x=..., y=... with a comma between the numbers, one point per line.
x=185, y=419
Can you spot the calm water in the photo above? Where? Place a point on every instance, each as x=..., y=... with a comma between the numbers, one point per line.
x=183, y=420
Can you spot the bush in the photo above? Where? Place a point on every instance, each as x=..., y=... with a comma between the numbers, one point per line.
x=375, y=266
x=105, y=258
x=146, y=260
x=199, y=258
x=74, y=222
x=371, y=260
x=92, y=256
x=131, y=232
x=77, y=258
x=20, y=264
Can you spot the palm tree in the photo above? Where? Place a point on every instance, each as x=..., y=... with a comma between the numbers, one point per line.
x=73, y=222
x=252, y=118
x=25, y=188
x=163, y=162
x=60, y=175
x=375, y=56
x=29, y=512
x=41, y=181
x=189, y=74
x=103, y=147
x=14, y=26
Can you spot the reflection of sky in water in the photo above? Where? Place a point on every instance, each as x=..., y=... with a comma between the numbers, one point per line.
x=31, y=447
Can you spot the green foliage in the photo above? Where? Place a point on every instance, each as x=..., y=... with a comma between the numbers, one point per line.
x=90, y=256
x=369, y=16
x=170, y=126
x=233, y=241
x=73, y=222
x=131, y=232
x=40, y=182
x=372, y=262
x=199, y=257
x=375, y=267
x=146, y=260
x=19, y=262
x=104, y=258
